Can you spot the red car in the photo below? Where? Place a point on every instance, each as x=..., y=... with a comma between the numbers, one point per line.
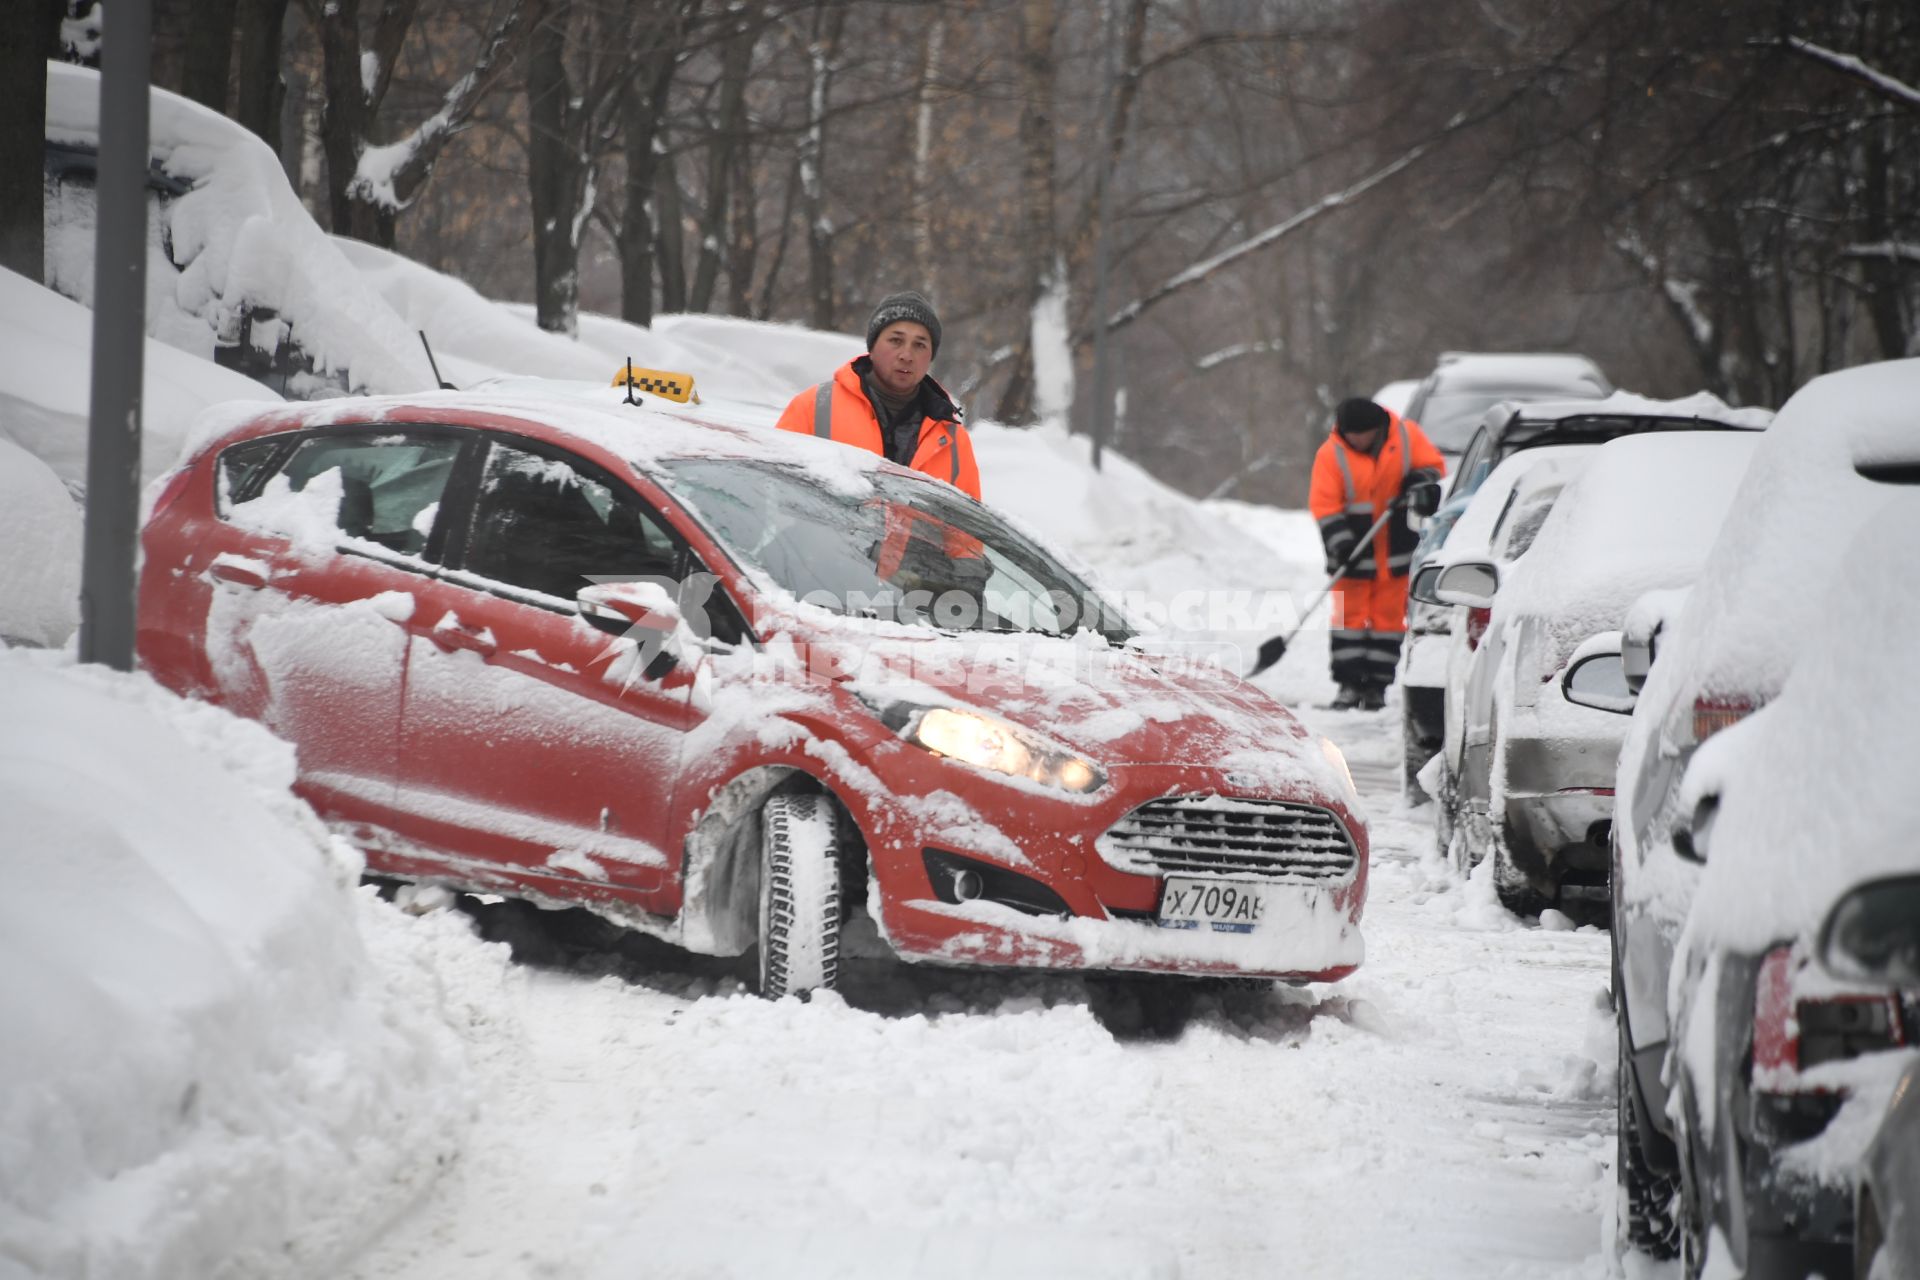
x=728, y=686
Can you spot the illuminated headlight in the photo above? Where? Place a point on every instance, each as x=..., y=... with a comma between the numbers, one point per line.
x=995, y=745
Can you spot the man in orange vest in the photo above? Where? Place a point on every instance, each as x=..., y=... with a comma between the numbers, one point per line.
x=1370, y=459
x=886, y=403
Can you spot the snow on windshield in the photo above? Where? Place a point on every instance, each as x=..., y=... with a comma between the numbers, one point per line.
x=907, y=550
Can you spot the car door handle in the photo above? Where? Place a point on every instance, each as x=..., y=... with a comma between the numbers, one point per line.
x=239, y=571
x=450, y=633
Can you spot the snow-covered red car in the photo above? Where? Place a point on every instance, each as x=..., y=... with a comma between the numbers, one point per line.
x=732, y=686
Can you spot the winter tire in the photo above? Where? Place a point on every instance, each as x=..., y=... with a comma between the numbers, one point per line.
x=1647, y=1195
x=799, y=896
x=1414, y=754
x=1446, y=824
x=1515, y=891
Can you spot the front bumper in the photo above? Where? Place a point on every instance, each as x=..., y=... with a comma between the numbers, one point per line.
x=1082, y=912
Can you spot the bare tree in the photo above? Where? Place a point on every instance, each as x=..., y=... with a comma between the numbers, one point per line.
x=1039, y=238
x=369, y=185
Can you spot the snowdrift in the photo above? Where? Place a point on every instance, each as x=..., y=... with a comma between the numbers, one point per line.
x=46, y=385
x=222, y=1059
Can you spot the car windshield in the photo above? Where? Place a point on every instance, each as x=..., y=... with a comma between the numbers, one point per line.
x=1449, y=417
x=1597, y=429
x=894, y=548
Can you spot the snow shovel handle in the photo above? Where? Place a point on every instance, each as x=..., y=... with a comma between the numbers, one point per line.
x=1277, y=651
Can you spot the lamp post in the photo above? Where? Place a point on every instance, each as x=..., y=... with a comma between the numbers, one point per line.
x=119, y=340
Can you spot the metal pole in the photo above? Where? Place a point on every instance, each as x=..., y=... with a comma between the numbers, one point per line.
x=1102, y=395
x=119, y=338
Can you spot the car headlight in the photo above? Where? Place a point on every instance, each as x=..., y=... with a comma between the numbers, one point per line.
x=1339, y=763
x=999, y=747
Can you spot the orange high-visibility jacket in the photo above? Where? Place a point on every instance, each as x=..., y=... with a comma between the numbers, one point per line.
x=1350, y=490
x=945, y=450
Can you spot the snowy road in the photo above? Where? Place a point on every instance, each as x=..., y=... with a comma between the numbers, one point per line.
x=1446, y=1111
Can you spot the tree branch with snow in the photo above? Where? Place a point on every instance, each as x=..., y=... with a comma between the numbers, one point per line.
x=1885, y=85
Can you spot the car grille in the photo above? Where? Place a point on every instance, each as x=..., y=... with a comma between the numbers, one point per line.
x=1228, y=838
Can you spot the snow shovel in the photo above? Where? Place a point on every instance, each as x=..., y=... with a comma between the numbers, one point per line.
x=1274, y=648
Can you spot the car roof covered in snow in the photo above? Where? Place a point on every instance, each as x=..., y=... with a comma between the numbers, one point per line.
x=1817, y=788
x=1701, y=406
x=1803, y=497
x=642, y=434
x=1460, y=369
x=1642, y=515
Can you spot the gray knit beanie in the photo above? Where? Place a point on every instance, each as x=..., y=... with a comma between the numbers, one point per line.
x=906, y=305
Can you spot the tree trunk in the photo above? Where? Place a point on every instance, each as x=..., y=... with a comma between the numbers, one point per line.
x=345, y=110
x=1037, y=23
x=930, y=52
x=670, y=239
x=823, y=46
x=209, y=53
x=261, y=92
x=729, y=135
x=643, y=115
x=559, y=174
x=26, y=42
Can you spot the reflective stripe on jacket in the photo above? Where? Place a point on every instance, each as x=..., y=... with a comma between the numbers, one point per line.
x=839, y=410
x=1350, y=489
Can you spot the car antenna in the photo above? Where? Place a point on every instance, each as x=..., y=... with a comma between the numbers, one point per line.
x=434, y=364
x=631, y=398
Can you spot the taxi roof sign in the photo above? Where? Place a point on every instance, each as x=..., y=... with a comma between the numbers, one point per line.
x=664, y=383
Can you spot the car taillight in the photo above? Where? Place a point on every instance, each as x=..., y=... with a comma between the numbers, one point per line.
x=1477, y=620
x=1711, y=715
x=1795, y=1031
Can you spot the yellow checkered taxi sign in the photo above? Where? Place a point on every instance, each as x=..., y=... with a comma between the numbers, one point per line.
x=660, y=382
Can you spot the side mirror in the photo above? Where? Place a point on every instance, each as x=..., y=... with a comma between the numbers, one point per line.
x=1637, y=653
x=1873, y=933
x=622, y=606
x=1598, y=680
x=1470, y=583
x=1423, y=499
x=1422, y=588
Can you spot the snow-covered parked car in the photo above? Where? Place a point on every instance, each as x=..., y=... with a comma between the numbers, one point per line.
x=238, y=272
x=1449, y=401
x=1804, y=817
x=1510, y=428
x=1724, y=649
x=1546, y=702
x=1498, y=528
x=732, y=686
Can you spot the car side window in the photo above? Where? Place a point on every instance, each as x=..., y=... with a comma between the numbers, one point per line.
x=1471, y=461
x=373, y=485
x=549, y=525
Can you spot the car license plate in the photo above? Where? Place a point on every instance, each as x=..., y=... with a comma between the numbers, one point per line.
x=1225, y=906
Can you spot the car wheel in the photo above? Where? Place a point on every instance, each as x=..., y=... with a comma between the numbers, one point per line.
x=1515, y=891
x=799, y=896
x=1414, y=754
x=1646, y=1194
x=1868, y=1235
x=1448, y=838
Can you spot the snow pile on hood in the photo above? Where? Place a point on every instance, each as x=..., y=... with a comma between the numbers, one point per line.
x=242, y=238
x=40, y=572
x=1817, y=789
x=207, y=1072
x=1801, y=501
x=1642, y=515
x=46, y=384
